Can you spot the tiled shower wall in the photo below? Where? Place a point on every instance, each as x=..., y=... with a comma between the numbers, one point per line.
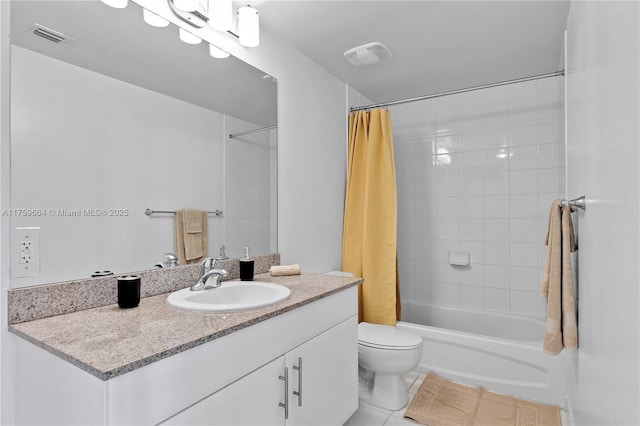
x=477, y=171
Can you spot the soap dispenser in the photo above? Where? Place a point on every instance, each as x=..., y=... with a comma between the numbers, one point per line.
x=246, y=266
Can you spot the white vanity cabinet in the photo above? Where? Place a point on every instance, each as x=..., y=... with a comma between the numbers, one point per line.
x=231, y=380
x=320, y=392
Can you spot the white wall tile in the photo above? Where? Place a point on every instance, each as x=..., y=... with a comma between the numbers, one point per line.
x=523, y=205
x=496, y=253
x=550, y=155
x=523, y=182
x=496, y=276
x=472, y=275
x=476, y=249
x=447, y=229
x=446, y=273
x=496, y=229
x=524, y=278
x=524, y=302
x=447, y=186
x=495, y=138
x=549, y=131
x=523, y=229
x=448, y=295
x=471, y=162
x=524, y=134
x=471, y=184
x=471, y=207
x=495, y=183
x=471, y=296
x=496, y=207
x=495, y=160
x=447, y=207
x=522, y=110
x=471, y=230
x=470, y=141
x=479, y=185
x=548, y=180
x=524, y=254
x=523, y=157
x=495, y=299
x=522, y=90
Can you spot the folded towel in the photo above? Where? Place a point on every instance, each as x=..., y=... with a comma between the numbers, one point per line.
x=191, y=235
x=281, y=270
x=557, y=282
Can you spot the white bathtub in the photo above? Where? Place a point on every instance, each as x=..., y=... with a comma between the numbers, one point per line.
x=502, y=353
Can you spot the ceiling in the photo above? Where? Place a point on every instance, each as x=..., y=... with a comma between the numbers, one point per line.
x=436, y=45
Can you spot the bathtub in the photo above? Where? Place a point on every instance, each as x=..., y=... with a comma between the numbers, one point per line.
x=502, y=353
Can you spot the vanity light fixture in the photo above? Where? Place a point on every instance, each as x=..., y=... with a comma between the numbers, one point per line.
x=220, y=15
x=199, y=13
x=187, y=37
x=216, y=52
x=248, y=26
x=118, y=4
x=153, y=19
x=187, y=5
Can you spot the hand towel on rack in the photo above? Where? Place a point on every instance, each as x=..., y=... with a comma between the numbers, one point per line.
x=557, y=282
x=191, y=235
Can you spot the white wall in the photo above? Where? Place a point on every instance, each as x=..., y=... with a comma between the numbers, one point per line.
x=603, y=69
x=477, y=171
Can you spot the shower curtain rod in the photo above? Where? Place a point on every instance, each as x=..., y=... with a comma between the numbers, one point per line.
x=454, y=92
x=248, y=132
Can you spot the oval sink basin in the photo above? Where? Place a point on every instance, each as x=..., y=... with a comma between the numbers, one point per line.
x=230, y=296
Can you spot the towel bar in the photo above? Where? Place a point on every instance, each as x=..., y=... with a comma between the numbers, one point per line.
x=580, y=202
x=149, y=212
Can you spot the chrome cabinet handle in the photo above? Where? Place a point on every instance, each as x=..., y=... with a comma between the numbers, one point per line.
x=285, y=404
x=298, y=393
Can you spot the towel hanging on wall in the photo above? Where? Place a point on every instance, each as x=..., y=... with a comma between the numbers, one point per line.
x=557, y=283
x=191, y=235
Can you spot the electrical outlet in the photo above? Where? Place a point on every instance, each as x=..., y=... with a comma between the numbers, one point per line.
x=25, y=252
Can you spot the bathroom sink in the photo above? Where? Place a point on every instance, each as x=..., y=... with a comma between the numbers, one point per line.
x=230, y=296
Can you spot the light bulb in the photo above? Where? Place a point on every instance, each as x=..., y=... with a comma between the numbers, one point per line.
x=118, y=4
x=217, y=52
x=248, y=26
x=153, y=19
x=187, y=37
x=220, y=15
x=186, y=5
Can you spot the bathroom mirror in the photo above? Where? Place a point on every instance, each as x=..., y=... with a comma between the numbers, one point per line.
x=119, y=117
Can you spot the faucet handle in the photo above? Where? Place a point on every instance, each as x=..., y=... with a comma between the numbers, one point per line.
x=206, y=265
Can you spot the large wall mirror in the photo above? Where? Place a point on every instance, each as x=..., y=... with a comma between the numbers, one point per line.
x=123, y=117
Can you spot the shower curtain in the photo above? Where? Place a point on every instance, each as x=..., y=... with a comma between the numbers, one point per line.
x=369, y=245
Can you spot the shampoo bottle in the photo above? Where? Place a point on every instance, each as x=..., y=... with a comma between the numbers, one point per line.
x=246, y=266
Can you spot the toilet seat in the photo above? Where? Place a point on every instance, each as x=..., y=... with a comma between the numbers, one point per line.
x=386, y=337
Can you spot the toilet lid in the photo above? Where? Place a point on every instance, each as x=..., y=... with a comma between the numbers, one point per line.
x=386, y=337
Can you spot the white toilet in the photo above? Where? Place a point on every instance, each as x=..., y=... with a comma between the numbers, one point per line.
x=385, y=354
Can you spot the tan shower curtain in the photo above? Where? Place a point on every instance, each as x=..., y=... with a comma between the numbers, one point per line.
x=369, y=245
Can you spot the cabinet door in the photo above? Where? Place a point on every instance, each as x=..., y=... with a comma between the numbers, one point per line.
x=323, y=390
x=251, y=400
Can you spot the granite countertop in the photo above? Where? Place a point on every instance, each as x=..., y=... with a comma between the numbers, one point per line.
x=109, y=341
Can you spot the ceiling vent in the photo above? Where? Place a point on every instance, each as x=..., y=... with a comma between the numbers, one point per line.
x=367, y=54
x=49, y=34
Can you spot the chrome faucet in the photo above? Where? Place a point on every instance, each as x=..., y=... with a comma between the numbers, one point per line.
x=207, y=271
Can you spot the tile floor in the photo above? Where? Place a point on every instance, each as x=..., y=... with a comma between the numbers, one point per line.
x=368, y=415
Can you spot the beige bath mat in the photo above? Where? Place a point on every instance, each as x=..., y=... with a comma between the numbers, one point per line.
x=441, y=402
